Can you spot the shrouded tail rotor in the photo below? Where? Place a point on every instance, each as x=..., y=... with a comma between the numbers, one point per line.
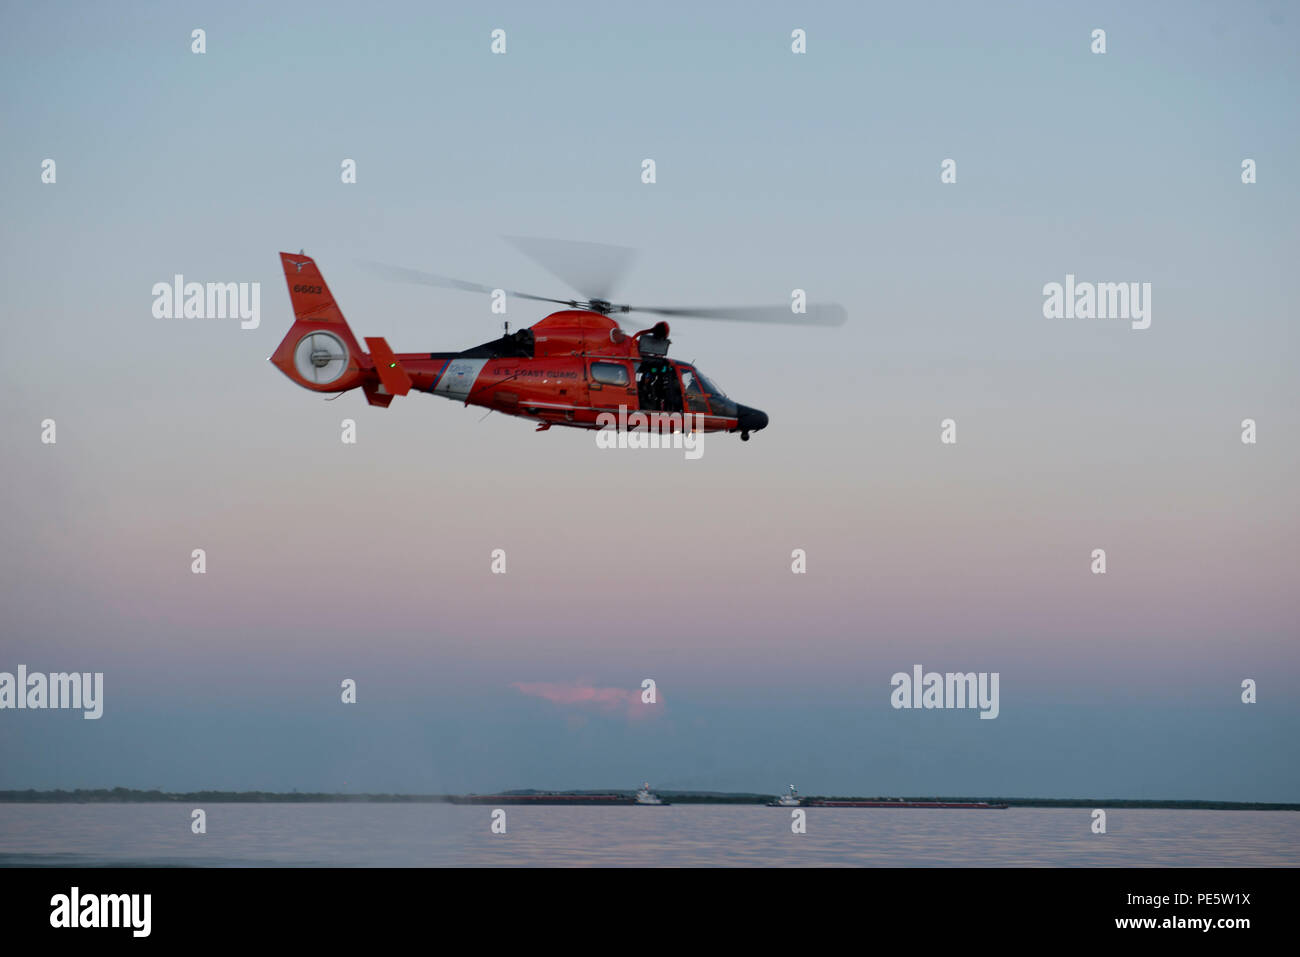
x=321, y=357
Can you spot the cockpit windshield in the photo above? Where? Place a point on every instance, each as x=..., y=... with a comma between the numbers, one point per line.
x=708, y=385
x=701, y=395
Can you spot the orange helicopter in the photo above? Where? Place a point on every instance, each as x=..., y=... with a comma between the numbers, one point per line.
x=576, y=367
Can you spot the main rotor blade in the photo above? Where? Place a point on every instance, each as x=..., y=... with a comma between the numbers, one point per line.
x=603, y=265
x=818, y=314
x=592, y=269
x=419, y=276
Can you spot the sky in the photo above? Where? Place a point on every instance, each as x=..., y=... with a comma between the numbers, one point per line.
x=774, y=171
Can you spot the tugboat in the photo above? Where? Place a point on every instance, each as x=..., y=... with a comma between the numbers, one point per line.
x=787, y=800
x=645, y=797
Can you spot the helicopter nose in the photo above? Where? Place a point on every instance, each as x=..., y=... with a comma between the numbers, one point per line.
x=749, y=420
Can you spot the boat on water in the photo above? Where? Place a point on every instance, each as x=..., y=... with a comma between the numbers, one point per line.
x=645, y=797
x=788, y=800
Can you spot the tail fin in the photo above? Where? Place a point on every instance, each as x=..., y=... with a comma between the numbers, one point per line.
x=311, y=298
x=320, y=352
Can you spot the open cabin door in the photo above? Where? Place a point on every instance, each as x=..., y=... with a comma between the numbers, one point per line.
x=658, y=387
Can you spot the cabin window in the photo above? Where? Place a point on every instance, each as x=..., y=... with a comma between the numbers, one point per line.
x=610, y=373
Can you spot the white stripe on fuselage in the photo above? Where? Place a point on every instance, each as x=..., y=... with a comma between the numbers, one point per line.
x=458, y=378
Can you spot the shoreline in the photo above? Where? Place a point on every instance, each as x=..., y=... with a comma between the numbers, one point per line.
x=596, y=798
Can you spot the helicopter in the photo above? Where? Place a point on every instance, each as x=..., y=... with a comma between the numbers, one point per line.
x=576, y=367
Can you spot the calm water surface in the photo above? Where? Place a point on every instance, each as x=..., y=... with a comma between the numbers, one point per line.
x=439, y=835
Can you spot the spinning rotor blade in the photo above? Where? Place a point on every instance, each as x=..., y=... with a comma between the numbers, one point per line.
x=818, y=314
x=592, y=269
x=419, y=276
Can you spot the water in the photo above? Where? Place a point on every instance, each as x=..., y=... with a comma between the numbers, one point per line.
x=440, y=835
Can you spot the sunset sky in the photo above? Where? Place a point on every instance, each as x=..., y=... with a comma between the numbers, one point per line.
x=775, y=171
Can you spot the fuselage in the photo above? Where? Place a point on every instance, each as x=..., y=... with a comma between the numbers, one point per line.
x=571, y=368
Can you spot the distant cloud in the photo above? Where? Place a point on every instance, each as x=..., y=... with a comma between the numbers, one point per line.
x=581, y=694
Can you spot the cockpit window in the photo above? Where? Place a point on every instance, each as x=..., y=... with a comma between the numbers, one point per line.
x=710, y=387
x=692, y=379
x=693, y=390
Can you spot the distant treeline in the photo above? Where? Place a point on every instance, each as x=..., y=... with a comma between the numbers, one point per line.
x=130, y=795
x=1092, y=802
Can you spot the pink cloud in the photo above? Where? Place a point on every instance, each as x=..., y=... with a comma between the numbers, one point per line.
x=584, y=695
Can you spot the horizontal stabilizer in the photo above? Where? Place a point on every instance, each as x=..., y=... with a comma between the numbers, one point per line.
x=390, y=371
